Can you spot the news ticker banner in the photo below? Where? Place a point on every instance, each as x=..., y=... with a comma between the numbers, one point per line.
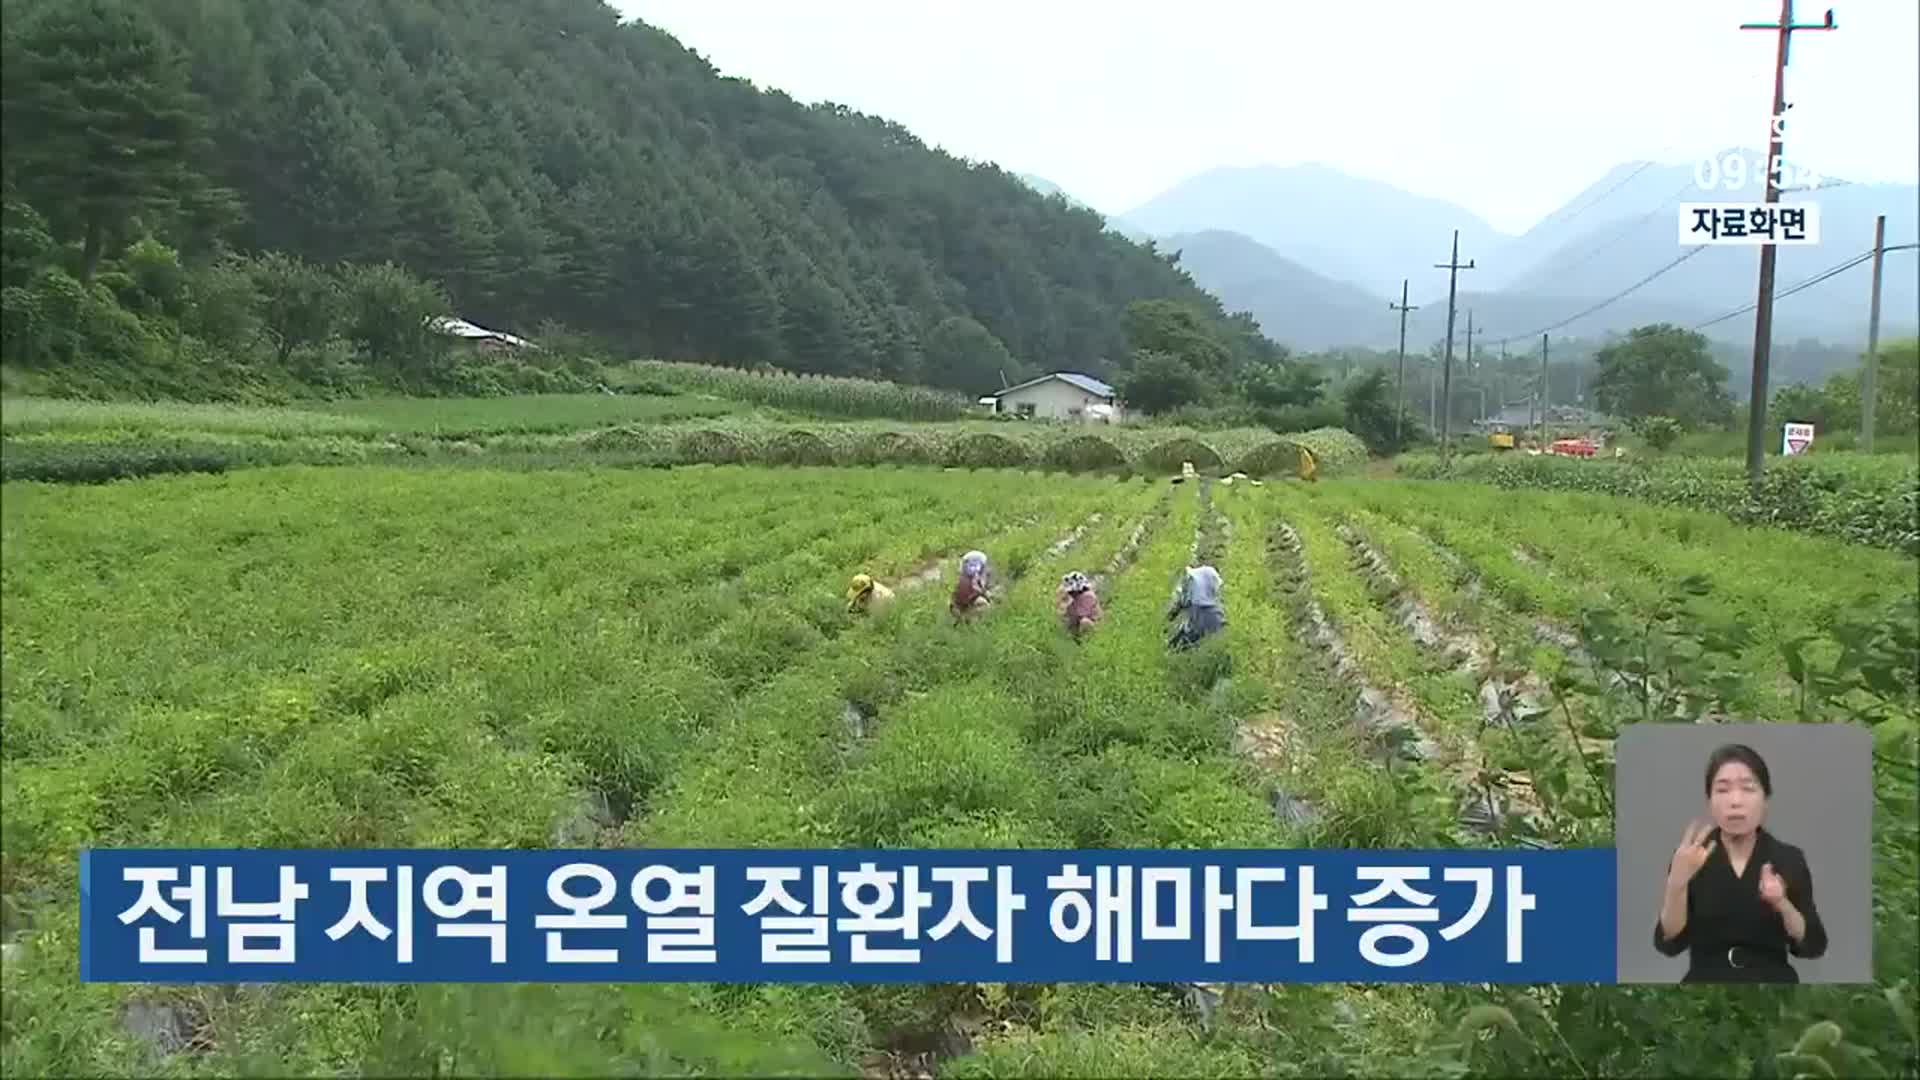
x=819, y=916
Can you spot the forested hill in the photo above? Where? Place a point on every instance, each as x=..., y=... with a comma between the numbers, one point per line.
x=542, y=161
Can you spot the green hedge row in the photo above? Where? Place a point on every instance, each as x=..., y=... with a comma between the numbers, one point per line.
x=1865, y=500
x=101, y=456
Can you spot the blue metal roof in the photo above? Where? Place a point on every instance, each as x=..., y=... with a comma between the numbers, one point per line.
x=1085, y=382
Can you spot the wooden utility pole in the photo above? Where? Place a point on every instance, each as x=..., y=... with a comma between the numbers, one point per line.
x=1546, y=392
x=1873, y=338
x=1763, y=308
x=1453, y=268
x=1400, y=386
x=1473, y=371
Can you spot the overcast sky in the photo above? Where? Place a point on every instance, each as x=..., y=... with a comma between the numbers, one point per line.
x=1507, y=107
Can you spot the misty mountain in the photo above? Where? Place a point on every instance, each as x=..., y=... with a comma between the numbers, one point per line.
x=1048, y=188
x=1293, y=304
x=1620, y=229
x=1347, y=228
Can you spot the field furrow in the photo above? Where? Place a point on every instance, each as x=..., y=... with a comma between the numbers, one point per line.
x=487, y=657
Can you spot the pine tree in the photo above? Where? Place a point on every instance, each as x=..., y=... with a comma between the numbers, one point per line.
x=99, y=123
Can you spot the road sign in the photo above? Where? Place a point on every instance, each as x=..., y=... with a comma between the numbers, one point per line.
x=1797, y=438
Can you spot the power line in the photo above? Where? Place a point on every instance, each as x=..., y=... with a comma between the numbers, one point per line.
x=1609, y=300
x=1663, y=205
x=1831, y=271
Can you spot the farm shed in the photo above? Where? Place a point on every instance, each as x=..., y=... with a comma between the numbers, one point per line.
x=1062, y=395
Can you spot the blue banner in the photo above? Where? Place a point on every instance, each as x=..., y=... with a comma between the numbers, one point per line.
x=826, y=916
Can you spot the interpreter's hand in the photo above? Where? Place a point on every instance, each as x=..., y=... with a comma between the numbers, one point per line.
x=1772, y=888
x=1691, y=855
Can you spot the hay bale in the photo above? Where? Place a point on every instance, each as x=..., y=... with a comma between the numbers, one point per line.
x=987, y=451
x=1083, y=453
x=894, y=448
x=709, y=446
x=798, y=447
x=1170, y=455
x=1280, y=457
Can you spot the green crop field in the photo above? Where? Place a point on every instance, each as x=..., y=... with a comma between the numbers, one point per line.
x=369, y=655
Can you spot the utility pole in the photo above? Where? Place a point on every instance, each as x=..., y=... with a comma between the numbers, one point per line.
x=1873, y=338
x=1471, y=370
x=1433, y=404
x=1546, y=392
x=1453, y=268
x=1400, y=386
x=1775, y=166
x=1501, y=376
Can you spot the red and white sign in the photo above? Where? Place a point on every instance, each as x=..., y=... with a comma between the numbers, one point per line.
x=1797, y=438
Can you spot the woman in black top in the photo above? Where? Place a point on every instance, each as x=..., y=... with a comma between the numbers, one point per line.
x=1738, y=899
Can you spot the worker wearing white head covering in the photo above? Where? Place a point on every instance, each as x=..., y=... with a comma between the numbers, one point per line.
x=970, y=592
x=974, y=564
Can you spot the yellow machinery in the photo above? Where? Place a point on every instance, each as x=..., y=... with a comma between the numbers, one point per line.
x=1500, y=437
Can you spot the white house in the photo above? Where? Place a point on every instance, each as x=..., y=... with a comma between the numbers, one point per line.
x=1062, y=395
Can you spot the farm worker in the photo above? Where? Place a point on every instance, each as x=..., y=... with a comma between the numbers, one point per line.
x=970, y=592
x=865, y=595
x=1079, y=607
x=1198, y=598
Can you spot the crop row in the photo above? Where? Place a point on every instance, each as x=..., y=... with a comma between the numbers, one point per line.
x=1431, y=593
x=1865, y=500
x=467, y=674
x=820, y=395
x=662, y=658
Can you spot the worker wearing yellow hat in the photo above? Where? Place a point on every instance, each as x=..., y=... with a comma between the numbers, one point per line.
x=865, y=595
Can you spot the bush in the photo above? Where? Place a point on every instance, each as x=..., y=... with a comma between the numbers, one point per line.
x=711, y=447
x=1334, y=449
x=1083, y=453
x=984, y=451
x=1860, y=499
x=798, y=448
x=894, y=448
x=1661, y=432
x=1276, y=458
x=1168, y=456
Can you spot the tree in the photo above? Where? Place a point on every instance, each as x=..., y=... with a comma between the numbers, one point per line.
x=1368, y=401
x=1662, y=370
x=389, y=316
x=1176, y=329
x=99, y=123
x=1661, y=432
x=963, y=355
x=1282, y=385
x=300, y=303
x=1161, y=382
